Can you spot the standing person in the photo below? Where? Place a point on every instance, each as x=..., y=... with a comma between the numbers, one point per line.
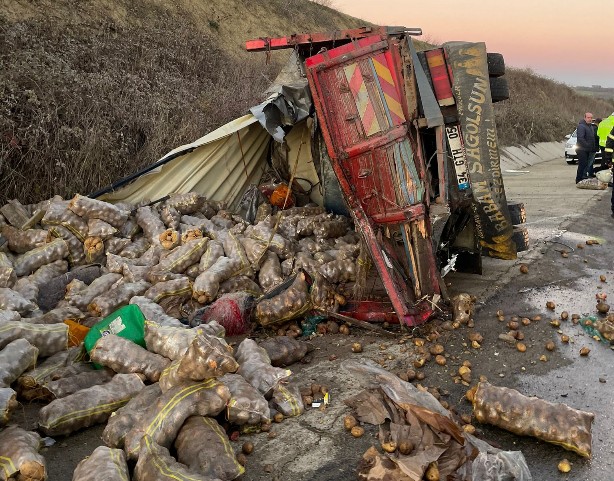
x=590, y=170
x=602, y=131
x=607, y=152
x=586, y=145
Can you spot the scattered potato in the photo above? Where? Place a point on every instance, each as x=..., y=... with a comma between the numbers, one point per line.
x=357, y=431
x=349, y=422
x=564, y=466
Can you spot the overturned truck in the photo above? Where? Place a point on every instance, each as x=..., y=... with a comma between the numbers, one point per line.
x=411, y=151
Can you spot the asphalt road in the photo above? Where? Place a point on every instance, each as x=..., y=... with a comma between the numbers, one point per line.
x=315, y=445
x=559, y=218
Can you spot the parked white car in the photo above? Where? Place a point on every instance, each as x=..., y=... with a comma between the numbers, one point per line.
x=571, y=156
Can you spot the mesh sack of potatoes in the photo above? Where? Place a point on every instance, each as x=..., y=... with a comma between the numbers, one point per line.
x=93, y=247
x=89, y=208
x=214, y=251
x=155, y=313
x=22, y=241
x=284, y=350
x=169, y=239
x=530, y=416
x=11, y=300
x=274, y=242
x=65, y=386
x=100, y=228
x=59, y=214
x=270, y=273
x=235, y=251
x=170, y=216
x=136, y=248
x=76, y=255
x=19, y=457
x=305, y=226
x=130, y=229
x=149, y=220
x=48, y=338
x=339, y=271
x=116, y=264
x=190, y=234
x=207, y=284
x=254, y=249
x=192, y=272
x=188, y=203
x=173, y=342
x=117, y=297
x=122, y=420
x=124, y=356
x=104, y=283
x=207, y=357
x=323, y=294
x=156, y=275
x=103, y=464
x=27, y=263
x=163, y=419
x=89, y=406
x=239, y=284
x=8, y=403
x=331, y=228
x=15, y=358
x=65, y=363
x=156, y=464
x=115, y=245
x=7, y=272
x=203, y=446
x=26, y=289
x=287, y=400
x=255, y=367
x=289, y=304
x=58, y=315
x=44, y=274
x=133, y=273
x=175, y=287
x=305, y=261
x=180, y=258
x=9, y=315
x=247, y=405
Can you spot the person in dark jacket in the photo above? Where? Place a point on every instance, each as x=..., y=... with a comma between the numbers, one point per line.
x=607, y=158
x=586, y=145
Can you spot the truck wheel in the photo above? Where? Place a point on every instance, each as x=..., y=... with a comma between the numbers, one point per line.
x=517, y=212
x=496, y=64
x=520, y=236
x=499, y=90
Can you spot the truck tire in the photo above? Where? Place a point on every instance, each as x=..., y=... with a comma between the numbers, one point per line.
x=496, y=64
x=517, y=212
x=499, y=90
x=520, y=236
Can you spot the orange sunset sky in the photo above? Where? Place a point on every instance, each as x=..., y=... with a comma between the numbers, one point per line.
x=557, y=39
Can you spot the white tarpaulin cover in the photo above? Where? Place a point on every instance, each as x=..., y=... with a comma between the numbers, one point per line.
x=220, y=165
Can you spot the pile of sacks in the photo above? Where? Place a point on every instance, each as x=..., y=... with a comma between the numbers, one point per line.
x=172, y=260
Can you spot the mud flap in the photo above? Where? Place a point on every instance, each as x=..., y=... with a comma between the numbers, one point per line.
x=471, y=86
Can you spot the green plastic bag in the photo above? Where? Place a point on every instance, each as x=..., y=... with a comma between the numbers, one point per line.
x=127, y=322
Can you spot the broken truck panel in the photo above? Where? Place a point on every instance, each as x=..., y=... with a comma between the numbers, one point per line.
x=358, y=95
x=469, y=70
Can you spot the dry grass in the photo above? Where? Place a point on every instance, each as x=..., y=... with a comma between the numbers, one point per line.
x=541, y=110
x=91, y=91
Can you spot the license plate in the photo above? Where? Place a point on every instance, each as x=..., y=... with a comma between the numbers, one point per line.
x=457, y=152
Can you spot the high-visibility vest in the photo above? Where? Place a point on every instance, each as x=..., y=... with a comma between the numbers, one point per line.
x=604, y=128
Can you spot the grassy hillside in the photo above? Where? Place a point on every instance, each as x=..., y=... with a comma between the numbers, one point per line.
x=541, y=110
x=92, y=90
